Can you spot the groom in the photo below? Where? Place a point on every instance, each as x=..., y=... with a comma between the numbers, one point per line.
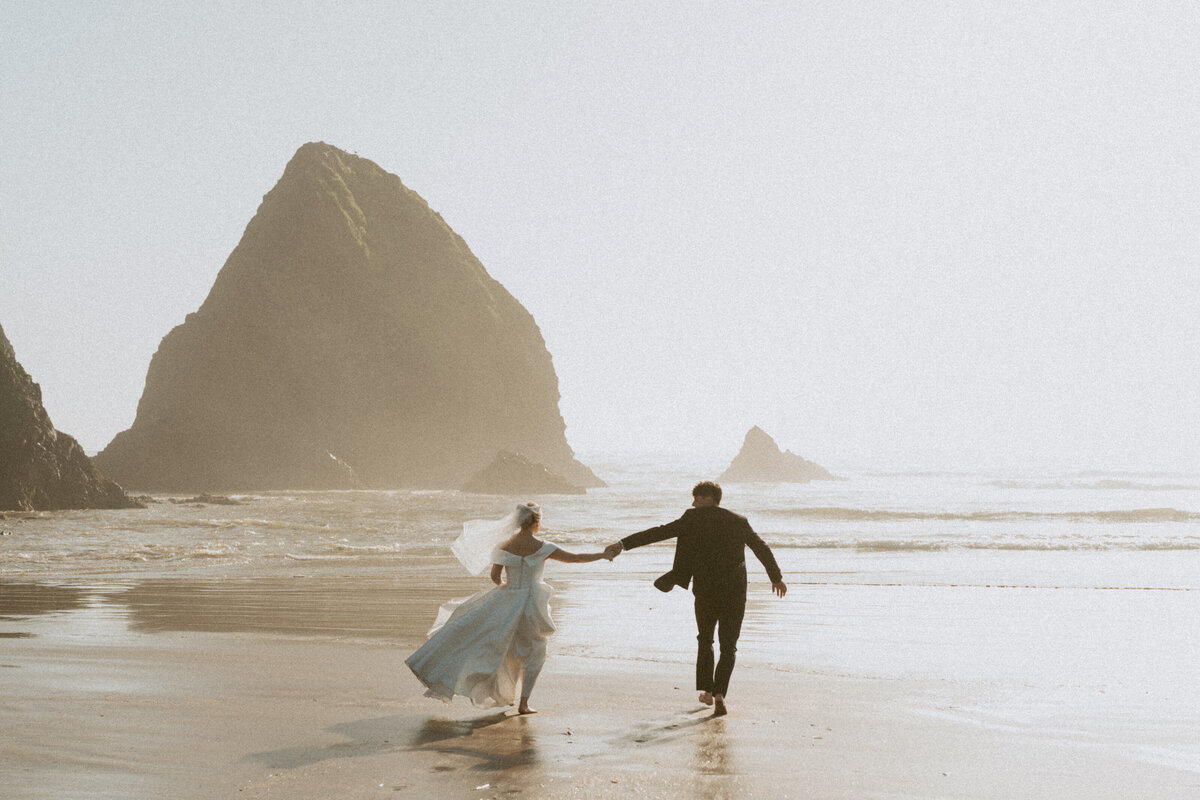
x=710, y=547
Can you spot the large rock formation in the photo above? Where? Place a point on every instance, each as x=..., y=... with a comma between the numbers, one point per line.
x=760, y=459
x=42, y=469
x=513, y=474
x=351, y=339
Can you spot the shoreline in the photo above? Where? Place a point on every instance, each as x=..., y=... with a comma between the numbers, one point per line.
x=296, y=688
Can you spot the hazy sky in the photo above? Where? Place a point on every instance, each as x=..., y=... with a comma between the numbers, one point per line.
x=906, y=234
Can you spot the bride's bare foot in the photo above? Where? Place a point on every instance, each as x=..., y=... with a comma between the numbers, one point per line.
x=524, y=708
x=719, y=709
x=706, y=698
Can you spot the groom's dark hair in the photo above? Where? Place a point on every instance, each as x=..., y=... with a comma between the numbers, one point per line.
x=707, y=489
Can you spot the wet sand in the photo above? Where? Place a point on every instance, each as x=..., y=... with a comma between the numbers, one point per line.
x=296, y=688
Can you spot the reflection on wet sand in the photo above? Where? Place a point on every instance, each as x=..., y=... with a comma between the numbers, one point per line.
x=19, y=600
x=493, y=743
x=440, y=729
x=711, y=755
x=340, y=607
x=372, y=608
x=717, y=774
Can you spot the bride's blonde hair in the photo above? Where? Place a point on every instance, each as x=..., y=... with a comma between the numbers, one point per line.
x=528, y=514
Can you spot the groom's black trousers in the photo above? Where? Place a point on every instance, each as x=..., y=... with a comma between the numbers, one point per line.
x=722, y=611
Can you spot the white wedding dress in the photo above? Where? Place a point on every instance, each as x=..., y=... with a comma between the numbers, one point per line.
x=491, y=645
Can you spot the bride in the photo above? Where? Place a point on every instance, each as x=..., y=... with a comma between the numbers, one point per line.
x=493, y=643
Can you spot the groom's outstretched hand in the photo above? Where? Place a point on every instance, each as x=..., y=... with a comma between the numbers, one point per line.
x=613, y=550
x=779, y=588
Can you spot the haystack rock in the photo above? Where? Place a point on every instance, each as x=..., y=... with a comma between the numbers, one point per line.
x=42, y=469
x=351, y=340
x=761, y=460
x=513, y=474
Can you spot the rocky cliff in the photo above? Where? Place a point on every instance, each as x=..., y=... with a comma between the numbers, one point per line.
x=760, y=459
x=351, y=339
x=42, y=469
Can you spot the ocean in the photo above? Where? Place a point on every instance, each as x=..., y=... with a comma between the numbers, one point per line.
x=862, y=514
x=1051, y=604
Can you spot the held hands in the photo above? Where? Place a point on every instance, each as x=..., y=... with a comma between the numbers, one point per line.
x=612, y=550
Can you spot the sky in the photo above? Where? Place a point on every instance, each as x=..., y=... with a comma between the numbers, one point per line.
x=896, y=235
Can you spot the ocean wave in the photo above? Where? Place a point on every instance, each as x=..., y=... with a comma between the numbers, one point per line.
x=944, y=545
x=154, y=552
x=146, y=525
x=1102, y=485
x=1132, y=515
x=317, y=557
x=922, y=473
x=344, y=547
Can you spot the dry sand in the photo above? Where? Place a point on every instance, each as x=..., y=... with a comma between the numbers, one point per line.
x=296, y=688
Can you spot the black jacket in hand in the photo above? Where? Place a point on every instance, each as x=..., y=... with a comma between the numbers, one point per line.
x=710, y=547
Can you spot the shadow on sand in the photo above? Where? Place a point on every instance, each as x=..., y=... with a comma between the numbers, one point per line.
x=662, y=732
x=492, y=744
x=496, y=742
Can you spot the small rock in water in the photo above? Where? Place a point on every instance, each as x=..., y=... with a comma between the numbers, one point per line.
x=208, y=499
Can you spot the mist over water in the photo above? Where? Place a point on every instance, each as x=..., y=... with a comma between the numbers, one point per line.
x=863, y=513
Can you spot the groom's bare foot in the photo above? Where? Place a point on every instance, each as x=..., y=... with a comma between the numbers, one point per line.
x=706, y=698
x=719, y=709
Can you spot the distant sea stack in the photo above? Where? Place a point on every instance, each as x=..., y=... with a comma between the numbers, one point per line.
x=761, y=460
x=512, y=474
x=42, y=469
x=351, y=340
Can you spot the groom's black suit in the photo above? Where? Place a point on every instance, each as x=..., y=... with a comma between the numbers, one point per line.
x=710, y=554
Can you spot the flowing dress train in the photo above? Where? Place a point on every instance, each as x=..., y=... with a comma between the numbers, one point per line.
x=491, y=645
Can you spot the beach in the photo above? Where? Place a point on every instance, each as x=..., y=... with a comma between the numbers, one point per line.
x=296, y=688
x=967, y=640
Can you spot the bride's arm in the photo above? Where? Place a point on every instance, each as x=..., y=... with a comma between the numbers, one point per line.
x=497, y=571
x=574, y=558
